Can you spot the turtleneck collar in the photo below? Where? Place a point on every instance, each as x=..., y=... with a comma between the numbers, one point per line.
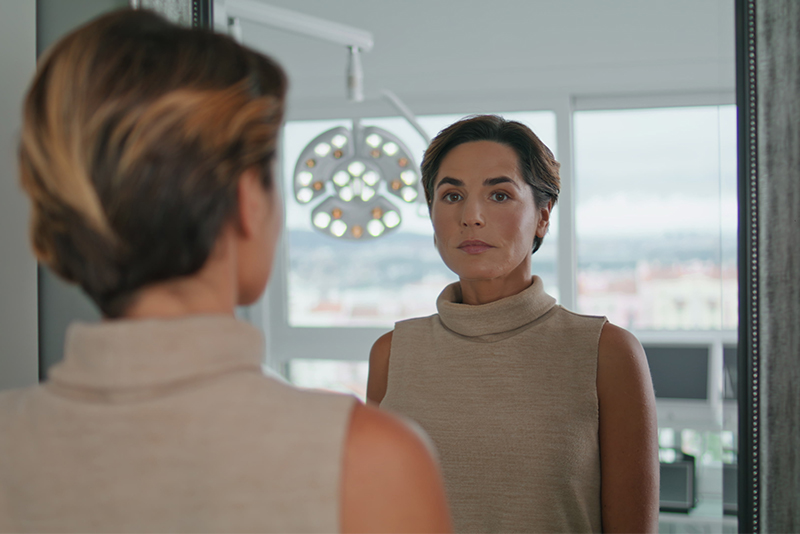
x=148, y=353
x=495, y=317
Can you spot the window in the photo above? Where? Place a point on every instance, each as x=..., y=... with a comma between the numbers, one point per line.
x=656, y=217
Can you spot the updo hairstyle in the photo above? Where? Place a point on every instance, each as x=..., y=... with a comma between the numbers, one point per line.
x=135, y=132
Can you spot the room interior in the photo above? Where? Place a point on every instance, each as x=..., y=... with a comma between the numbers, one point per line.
x=576, y=70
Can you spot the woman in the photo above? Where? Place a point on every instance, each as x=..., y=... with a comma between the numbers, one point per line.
x=147, y=151
x=544, y=419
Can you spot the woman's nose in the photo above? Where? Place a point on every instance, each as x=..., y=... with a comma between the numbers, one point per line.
x=472, y=214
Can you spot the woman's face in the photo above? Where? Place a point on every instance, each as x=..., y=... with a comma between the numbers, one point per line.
x=483, y=213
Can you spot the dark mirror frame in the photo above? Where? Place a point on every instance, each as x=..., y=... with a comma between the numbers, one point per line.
x=202, y=13
x=748, y=353
x=768, y=93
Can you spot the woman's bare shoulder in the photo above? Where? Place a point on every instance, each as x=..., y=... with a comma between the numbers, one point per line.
x=618, y=347
x=382, y=347
x=378, y=378
x=391, y=481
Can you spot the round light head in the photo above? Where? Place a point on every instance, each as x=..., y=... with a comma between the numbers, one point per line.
x=347, y=178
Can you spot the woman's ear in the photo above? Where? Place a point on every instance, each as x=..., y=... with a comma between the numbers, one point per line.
x=544, y=219
x=252, y=203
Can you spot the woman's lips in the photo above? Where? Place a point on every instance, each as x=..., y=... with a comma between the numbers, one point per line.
x=473, y=246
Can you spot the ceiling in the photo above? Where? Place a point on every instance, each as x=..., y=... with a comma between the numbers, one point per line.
x=439, y=54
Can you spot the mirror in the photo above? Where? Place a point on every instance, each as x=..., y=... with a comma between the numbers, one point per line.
x=584, y=75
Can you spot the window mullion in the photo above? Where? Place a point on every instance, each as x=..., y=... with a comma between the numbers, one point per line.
x=567, y=255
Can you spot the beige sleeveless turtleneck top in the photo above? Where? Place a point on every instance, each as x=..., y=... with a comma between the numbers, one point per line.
x=169, y=426
x=507, y=391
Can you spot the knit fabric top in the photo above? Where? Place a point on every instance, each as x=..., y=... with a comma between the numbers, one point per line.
x=507, y=391
x=169, y=426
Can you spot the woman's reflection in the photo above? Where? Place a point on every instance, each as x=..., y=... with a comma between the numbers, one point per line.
x=544, y=419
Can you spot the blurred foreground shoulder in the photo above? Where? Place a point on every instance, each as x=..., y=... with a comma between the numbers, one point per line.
x=391, y=481
x=628, y=434
x=378, y=379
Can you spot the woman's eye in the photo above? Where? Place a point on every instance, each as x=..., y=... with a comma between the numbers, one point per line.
x=451, y=197
x=499, y=196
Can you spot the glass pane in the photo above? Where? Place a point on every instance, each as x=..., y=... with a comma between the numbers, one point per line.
x=656, y=217
x=346, y=283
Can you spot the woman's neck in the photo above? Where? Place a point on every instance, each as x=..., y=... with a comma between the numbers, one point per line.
x=177, y=298
x=211, y=290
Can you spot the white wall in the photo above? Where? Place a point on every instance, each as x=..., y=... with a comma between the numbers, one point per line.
x=18, y=294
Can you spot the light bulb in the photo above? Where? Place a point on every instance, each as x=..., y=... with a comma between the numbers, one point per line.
x=356, y=168
x=338, y=228
x=370, y=177
x=339, y=140
x=304, y=178
x=322, y=220
x=346, y=193
x=304, y=195
x=409, y=194
x=374, y=140
x=375, y=228
x=409, y=177
x=391, y=219
x=390, y=148
x=367, y=193
x=341, y=178
x=322, y=149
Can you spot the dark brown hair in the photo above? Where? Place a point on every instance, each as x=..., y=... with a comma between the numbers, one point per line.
x=537, y=165
x=135, y=132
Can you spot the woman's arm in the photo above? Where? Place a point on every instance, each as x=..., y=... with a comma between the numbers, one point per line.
x=390, y=480
x=378, y=376
x=628, y=434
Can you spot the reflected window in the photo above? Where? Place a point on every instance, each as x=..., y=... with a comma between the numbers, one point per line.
x=656, y=217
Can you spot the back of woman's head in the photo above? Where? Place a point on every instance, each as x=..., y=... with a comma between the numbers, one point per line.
x=135, y=132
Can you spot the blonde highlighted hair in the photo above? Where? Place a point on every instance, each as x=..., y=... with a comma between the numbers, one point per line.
x=135, y=132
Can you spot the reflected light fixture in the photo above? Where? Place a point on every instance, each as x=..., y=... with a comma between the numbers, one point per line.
x=353, y=177
x=350, y=177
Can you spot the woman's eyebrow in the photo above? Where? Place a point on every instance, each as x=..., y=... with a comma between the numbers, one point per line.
x=499, y=180
x=452, y=181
